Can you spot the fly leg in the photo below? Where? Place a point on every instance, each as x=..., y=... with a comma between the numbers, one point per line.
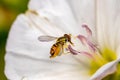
x=61, y=52
x=65, y=51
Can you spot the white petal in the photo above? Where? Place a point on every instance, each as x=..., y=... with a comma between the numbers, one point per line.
x=105, y=70
x=84, y=12
x=38, y=22
x=118, y=52
x=19, y=67
x=108, y=22
x=58, y=12
x=67, y=75
x=28, y=58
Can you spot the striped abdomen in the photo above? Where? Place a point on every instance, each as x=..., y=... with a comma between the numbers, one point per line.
x=55, y=50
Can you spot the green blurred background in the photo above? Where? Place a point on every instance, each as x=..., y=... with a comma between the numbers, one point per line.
x=9, y=9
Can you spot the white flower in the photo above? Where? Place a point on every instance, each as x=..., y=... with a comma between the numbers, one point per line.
x=28, y=59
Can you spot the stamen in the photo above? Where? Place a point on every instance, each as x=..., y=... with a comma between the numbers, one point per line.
x=82, y=39
x=86, y=42
x=88, y=30
x=74, y=52
x=92, y=46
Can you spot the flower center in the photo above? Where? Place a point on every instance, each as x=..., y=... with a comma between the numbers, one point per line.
x=98, y=57
x=106, y=55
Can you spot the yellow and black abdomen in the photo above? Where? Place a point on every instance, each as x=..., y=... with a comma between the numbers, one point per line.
x=55, y=50
x=57, y=47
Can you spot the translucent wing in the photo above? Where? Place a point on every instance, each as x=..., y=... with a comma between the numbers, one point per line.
x=46, y=38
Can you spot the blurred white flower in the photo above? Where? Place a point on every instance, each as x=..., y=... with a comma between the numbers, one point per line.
x=28, y=59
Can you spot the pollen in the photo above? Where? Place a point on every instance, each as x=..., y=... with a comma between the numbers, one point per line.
x=106, y=55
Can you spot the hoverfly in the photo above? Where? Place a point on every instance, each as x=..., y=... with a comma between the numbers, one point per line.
x=58, y=48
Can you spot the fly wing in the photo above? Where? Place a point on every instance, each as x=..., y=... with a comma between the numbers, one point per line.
x=46, y=38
